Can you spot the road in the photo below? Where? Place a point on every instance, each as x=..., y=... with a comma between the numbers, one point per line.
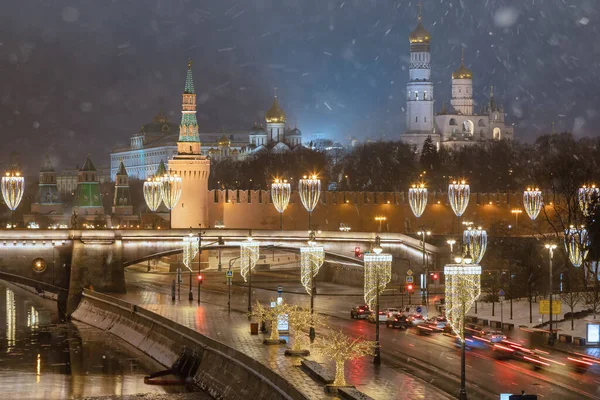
x=405, y=349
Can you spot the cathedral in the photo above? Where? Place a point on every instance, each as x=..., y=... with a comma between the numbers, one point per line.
x=454, y=126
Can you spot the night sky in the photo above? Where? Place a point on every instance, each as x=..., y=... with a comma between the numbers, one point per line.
x=81, y=77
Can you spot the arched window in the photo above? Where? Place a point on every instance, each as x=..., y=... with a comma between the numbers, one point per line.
x=468, y=127
x=425, y=97
x=497, y=134
x=416, y=95
x=425, y=119
x=416, y=119
x=481, y=122
x=452, y=121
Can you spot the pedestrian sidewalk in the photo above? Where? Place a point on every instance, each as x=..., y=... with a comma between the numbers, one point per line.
x=233, y=329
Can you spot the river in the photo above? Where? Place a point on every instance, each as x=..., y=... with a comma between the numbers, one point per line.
x=41, y=358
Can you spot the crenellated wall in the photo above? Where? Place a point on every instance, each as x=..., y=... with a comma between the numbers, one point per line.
x=242, y=209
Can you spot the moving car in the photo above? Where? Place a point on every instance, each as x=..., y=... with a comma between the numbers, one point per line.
x=382, y=317
x=493, y=336
x=416, y=319
x=359, y=311
x=391, y=312
x=438, y=323
x=397, y=321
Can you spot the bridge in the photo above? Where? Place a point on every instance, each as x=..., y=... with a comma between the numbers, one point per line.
x=66, y=261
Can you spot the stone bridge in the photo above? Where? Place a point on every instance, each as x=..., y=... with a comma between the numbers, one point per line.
x=66, y=261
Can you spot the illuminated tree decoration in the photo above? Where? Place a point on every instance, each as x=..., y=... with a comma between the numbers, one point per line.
x=191, y=246
x=311, y=259
x=417, y=198
x=476, y=240
x=458, y=195
x=310, y=191
x=300, y=319
x=577, y=245
x=586, y=195
x=532, y=201
x=271, y=315
x=463, y=287
x=171, y=190
x=152, y=193
x=378, y=273
x=13, y=185
x=249, y=252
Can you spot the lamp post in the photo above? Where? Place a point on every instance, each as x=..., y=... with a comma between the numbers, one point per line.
x=378, y=273
x=459, y=194
x=532, y=202
x=152, y=194
x=550, y=248
x=344, y=227
x=280, y=194
x=190, y=249
x=310, y=191
x=424, y=289
x=13, y=185
x=516, y=212
x=170, y=191
x=463, y=287
x=311, y=260
x=380, y=219
x=200, y=262
x=417, y=198
x=249, y=253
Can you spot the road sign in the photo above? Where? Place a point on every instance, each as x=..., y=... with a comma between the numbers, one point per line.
x=229, y=274
x=545, y=307
x=501, y=292
x=409, y=272
x=279, y=289
x=409, y=279
x=418, y=309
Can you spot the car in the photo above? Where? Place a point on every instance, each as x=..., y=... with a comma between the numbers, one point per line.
x=415, y=309
x=397, y=321
x=438, y=323
x=416, y=319
x=471, y=342
x=493, y=336
x=382, y=317
x=391, y=312
x=359, y=311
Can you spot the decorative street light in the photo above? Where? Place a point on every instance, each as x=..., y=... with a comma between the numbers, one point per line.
x=280, y=194
x=476, y=242
x=191, y=246
x=310, y=191
x=344, y=227
x=463, y=287
x=249, y=253
x=424, y=289
x=13, y=185
x=551, y=247
x=516, y=212
x=417, y=198
x=378, y=273
x=171, y=190
x=311, y=260
x=153, y=194
x=576, y=245
x=586, y=195
x=380, y=219
x=532, y=201
x=458, y=195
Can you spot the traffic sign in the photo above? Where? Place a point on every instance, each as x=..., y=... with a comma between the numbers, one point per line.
x=229, y=274
x=409, y=272
x=409, y=279
x=545, y=307
x=501, y=292
x=279, y=289
x=418, y=309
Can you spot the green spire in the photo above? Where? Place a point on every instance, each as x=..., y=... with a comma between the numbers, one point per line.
x=161, y=169
x=189, y=82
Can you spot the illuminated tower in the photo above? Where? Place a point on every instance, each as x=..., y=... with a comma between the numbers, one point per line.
x=275, y=119
x=190, y=165
x=122, y=201
x=88, y=200
x=47, y=200
x=419, y=90
x=462, y=89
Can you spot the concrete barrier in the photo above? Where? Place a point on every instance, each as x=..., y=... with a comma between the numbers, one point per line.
x=565, y=338
x=224, y=372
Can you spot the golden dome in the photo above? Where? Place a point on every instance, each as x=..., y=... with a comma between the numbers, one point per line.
x=420, y=34
x=224, y=141
x=462, y=72
x=275, y=113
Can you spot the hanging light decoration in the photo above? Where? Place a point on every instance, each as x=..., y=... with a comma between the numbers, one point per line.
x=417, y=198
x=280, y=194
x=458, y=195
x=463, y=288
x=577, y=245
x=532, y=201
x=249, y=252
x=310, y=191
x=378, y=273
x=152, y=193
x=586, y=195
x=476, y=241
x=171, y=190
x=13, y=185
x=311, y=260
x=191, y=246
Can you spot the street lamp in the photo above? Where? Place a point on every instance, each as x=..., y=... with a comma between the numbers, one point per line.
x=380, y=219
x=532, y=202
x=170, y=190
x=586, y=195
x=311, y=260
x=576, y=245
x=516, y=212
x=310, y=191
x=152, y=194
x=249, y=253
x=378, y=273
x=417, y=198
x=280, y=194
x=344, y=227
x=190, y=250
x=459, y=194
x=550, y=248
x=476, y=242
x=424, y=289
x=13, y=185
x=463, y=287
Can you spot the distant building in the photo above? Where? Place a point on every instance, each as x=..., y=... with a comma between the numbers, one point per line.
x=66, y=181
x=122, y=208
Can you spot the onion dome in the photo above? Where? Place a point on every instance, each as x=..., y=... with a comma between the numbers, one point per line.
x=462, y=72
x=275, y=113
x=420, y=34
x=257, y=129
x=224, y=141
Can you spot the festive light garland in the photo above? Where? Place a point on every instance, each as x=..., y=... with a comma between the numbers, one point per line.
x=577, y=245
x=191, y=246
x=152, y=193
x=586, y=195
x=458, y=195
x=463, y=287
x=532, y=201
x=476, y=241
x=280, y=194
x=311, y=260
x=417, y=198
x=310, y=191
x=249, y=253
x=171, y=190
x=378, y=273
x=13, y=185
